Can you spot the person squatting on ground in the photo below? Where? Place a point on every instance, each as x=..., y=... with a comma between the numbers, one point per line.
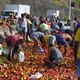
x=54, y=54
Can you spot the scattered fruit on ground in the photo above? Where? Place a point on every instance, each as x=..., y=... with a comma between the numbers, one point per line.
x=34, y=63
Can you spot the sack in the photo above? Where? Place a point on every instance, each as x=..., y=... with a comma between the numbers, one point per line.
x=21, y=56
x=5, y=51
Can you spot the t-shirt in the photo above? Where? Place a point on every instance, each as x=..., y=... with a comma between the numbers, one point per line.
x=46, y=38
x=44, y=26
x=37, y=35
x=24, y=25
x=55, y=26
x=13, y=39
x=61, y=40
x=49, y=39
x=77, y=38
x=55, y=54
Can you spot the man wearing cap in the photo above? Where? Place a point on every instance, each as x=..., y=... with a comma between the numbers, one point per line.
x=13, y=42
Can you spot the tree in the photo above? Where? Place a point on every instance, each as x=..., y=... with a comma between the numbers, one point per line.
x=78, y=1
x=60, y=3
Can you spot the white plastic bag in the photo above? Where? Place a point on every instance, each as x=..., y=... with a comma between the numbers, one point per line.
x=38, y=75
x=32, y=77
x=0, y=49
x=21, y=56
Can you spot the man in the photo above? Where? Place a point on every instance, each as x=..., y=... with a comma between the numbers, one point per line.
x=37, y=37
x=63, y=39
x=54, y=54
x=49, y=40
x=77, y=52
x=23, y=25
x=13, y=42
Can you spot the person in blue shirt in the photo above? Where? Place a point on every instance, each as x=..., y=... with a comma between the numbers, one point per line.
x=61, y=40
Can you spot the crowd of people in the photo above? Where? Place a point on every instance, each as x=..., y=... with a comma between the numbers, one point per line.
x=43, y=32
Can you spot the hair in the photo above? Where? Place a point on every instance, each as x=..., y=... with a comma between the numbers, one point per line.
x=46, y=32
x=22, y=15
x=20, y=41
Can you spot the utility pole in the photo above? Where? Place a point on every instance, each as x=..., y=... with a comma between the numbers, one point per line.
x=70, y=9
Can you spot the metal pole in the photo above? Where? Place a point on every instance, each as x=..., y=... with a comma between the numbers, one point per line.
x=70, y=9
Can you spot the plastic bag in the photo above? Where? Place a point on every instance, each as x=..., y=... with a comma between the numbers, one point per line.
x=21, y=56
x=32, y=77
x=5, y=51
x=36, y=76
x=0, y=49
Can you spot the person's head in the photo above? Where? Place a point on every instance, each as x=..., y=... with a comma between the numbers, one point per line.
x=21, y=33
x=22, y=15
x=6, y=34
x=20, y=41
x=47, y=32
x=11, y=15
x=76, y=18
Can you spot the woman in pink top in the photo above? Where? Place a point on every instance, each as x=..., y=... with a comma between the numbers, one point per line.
x=13, y=42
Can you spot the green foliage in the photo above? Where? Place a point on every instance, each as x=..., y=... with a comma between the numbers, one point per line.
x=77, y=1
x=65, y=18
x=60, y=3
x=3, y=58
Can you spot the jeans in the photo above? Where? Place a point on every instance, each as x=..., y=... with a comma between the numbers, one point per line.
x=78, y=68
x=13, y=52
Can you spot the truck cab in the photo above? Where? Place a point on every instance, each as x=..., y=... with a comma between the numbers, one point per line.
x=7, y=13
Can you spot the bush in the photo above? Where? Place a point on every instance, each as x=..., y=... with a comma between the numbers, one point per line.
x=65, y=18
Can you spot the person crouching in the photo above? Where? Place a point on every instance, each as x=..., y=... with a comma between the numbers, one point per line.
x=54, y=55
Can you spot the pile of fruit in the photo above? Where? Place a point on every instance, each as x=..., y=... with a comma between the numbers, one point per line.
x=34, y=63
